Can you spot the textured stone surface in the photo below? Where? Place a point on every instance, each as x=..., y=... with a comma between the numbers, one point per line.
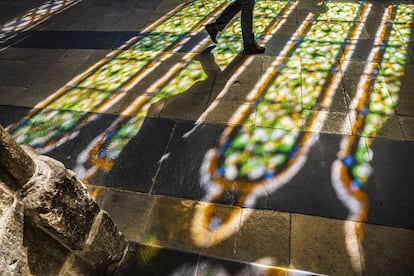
x=58, y=201
x=14, y=160
x=271, y=232
x=75, y=266
x=407, y=124
x=388, y=250
x=170, y=224
x=46, y=255
x=106, y=246
x=319, y=245
x=13, y=256
x=224, y=245
x=60, y=216
x=130, y=211
x=6, y=199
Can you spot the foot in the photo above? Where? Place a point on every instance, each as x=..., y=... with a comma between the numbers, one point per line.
x=253, y=48
x=212, y=31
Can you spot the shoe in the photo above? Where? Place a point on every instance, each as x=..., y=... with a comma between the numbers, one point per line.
x=253, y=48
x=212, y=31
x=319, y=8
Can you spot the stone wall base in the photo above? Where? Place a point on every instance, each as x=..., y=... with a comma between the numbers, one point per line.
x=49, y=225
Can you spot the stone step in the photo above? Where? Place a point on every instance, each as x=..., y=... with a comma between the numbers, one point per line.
x=152, y=260
x=252, y=237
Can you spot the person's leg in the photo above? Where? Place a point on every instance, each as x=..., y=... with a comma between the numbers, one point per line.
x=227, y=15
x=223, y=19
x=247, y=7
x=249, y=42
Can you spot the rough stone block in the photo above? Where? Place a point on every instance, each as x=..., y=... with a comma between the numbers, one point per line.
x=56, y=200
x=13, y=257
x=46, y=256
x=6, y=178
x=13, y=159
x=106, y=246
x=76, y=266
x=6, y=199
x=50, y=215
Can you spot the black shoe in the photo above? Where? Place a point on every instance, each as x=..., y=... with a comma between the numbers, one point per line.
x=212, y=31
x=253, y=48
x=319, y=8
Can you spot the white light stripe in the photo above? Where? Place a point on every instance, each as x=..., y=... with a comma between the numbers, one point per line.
x=370, y=62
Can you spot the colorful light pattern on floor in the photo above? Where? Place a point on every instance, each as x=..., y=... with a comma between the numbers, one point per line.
x=108, y=81
x=102, y=153
x=376, y=98
x=34, y=17
x=230, y=42
x=267, y=150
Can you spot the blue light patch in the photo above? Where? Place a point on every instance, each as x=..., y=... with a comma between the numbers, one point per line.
x=356, y=184
x=349, y=161
x=215, y=222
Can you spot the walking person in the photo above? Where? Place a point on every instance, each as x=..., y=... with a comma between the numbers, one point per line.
x=246, y=8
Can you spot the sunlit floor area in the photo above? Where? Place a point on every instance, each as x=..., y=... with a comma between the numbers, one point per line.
x=212, y=161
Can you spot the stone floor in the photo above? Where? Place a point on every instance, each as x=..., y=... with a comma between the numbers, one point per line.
x=211, y=161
